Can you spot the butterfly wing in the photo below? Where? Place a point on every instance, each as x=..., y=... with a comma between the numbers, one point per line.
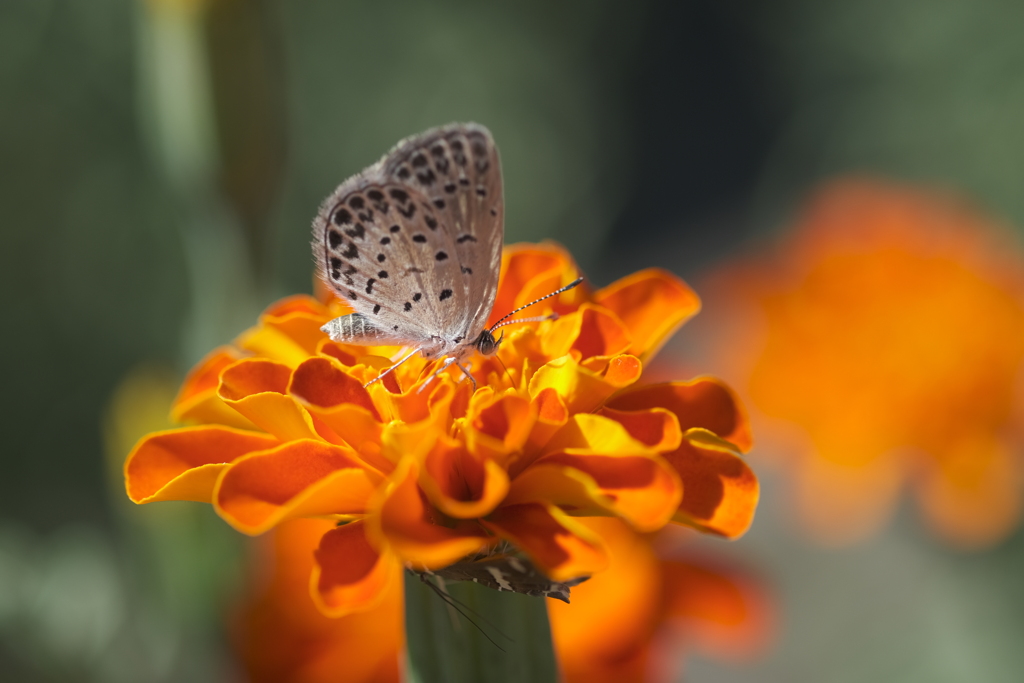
x=458, y=169
x=413, y=243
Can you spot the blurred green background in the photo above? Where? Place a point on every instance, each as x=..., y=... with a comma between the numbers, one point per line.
x=160, y=171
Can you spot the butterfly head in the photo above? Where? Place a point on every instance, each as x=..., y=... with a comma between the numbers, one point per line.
x=486, y=344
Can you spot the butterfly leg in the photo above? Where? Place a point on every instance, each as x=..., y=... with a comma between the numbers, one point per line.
x=465, y=371
x=381, y=375
x=448, y=362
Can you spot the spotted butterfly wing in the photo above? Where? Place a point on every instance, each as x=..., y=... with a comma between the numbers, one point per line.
x=413, y=243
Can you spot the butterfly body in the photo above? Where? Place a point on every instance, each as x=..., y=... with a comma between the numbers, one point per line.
x=413, y=245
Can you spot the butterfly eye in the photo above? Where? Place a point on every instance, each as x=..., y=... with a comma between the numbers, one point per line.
x=486, y=344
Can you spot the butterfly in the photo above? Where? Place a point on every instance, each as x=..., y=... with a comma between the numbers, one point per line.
x=413, y=244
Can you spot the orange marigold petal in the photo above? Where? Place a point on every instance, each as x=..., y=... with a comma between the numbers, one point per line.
x=461, y=484
x=604, y=634
x=324, y=383
x=350, y=574
x=299, y=318
x=255, y=388
x=585, y=387
x=657, y=428
x=406, y=523
x=551, y=416
x=296, y=479
x=197, y=400
x=432, y=403
x=720, y=492
x=530, y=271
x=643, y=490
x=272, y=343
x=183, y=464
x=590, y=331
x=357, y=427
x=498, y=424
x=205, y=376
x=629, y=478
x=652, y=304
x=704, y=402
x=568, y=488
x=279, y=634
x=556, y=543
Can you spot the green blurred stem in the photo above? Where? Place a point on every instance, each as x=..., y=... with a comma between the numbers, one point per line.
x=443, y=646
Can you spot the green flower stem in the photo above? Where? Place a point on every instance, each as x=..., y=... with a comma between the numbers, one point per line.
x=443, y=646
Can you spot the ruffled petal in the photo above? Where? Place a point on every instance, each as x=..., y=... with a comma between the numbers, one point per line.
x=416, y=532
x=720, y=492
x=350, y=574
x=198, y=402
x=585, y=386
x=280, y=634
x=530, y=271
x=552, y=414
x=461, y=484
x=556, y=543
x=299, y=318
x=324, y=383
x=432, y=403
x=657, y=428
x=296, y=479
x=183, y=464
x=255, y=388
x=268, y=342
x=590, y=331
x=498, y=424
x=652, y=304
x=704, y=402
x=624, y=475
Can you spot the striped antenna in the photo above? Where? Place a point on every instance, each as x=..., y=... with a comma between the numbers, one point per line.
x=501, y=322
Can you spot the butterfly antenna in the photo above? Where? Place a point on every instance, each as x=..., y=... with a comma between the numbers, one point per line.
x=546, y=296
x=450, y=601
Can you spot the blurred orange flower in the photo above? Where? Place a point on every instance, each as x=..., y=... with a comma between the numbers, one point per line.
x=890, y=328
x=555, y=432
x=628, y=623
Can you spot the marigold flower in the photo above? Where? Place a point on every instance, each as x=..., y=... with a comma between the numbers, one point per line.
x=628, y=623
x=284, y=427
x=890, y=329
